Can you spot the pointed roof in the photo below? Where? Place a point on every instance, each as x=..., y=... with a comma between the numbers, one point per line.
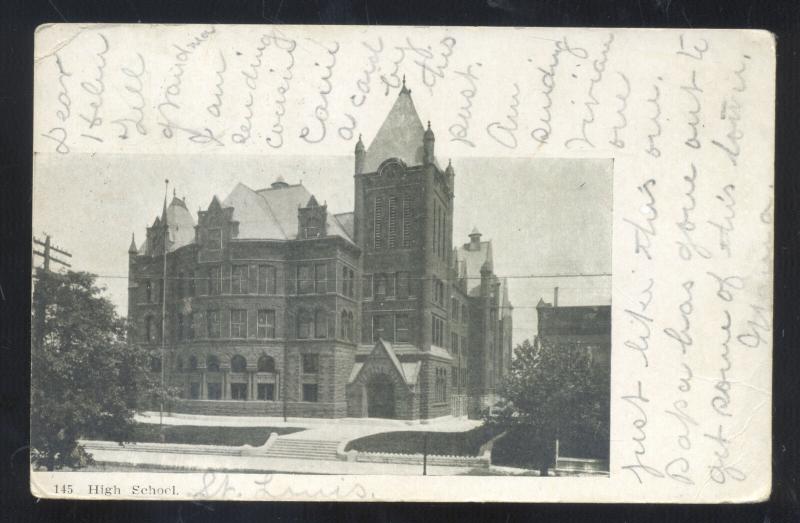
x=180, y=223
x=385, y=347
x=253, y=214
x=400, y=136
x=133, y=249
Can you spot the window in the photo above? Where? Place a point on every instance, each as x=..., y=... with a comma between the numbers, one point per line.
x=190, y=322
x=194, y=390
x=320, y=278
x=347, y=325
x=180, y=331
x=304, y=321
x=402, y=284
x=238, y=323
x=312, y=229
x=238, y=391
x=438, y=331
x=406, y=223
x=179, y=286
x=464, y=314
x=213, y=324
x=214, y=239
x=378, y=225
x=454, y=374
x=213, y=280
x=401, y=328
x=190, y=283
x=179, y=363
x=193, y=362
x=238, y=364
x=320, y=325
x=438, y=292
x=267, y=279
x=148, y=291
x=440, y=387
x=239, y=279
x=454, y=342
x=266, y=391
x=392, y=222
x=266, y=364
x=214, y=391
x=454, y=308
x=382, y=327
x=305, y=281
x=310, y=392
x=348, y=282
x=212, y=364
x=367, y=286
x=155, y=364
x=150, y=330
x=380, y=285
x=266, y=324
x=310, y=363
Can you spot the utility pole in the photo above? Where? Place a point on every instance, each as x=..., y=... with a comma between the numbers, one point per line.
x=41, y=306
x=164, y=317
x=48, y=252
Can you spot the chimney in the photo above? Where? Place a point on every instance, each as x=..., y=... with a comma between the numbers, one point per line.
x=555, y=297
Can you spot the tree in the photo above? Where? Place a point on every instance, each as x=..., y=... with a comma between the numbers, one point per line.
x=85, y=378
x=553, y=392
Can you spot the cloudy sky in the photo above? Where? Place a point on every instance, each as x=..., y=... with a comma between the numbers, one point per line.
x=544, y=216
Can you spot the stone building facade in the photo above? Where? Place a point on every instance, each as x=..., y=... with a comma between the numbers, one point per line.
x=275, y=306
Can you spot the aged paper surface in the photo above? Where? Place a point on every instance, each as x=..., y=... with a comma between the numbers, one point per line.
x=629, y=170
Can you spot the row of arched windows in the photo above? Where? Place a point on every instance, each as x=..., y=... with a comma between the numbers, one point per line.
x=238, y=364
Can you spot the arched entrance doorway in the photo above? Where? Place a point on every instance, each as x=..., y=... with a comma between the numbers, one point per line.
x=380, y=397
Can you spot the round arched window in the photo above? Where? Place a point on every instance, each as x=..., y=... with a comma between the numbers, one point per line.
x=238, y=364
x=192, y=362
x=266, y=364
x=212, y=364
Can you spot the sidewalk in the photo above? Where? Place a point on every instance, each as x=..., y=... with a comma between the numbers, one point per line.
x=171, y=462
x=325, y=429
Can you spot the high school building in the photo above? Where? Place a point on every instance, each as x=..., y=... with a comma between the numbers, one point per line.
x=274, y=305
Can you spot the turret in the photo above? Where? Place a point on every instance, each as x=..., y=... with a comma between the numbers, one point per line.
x=475, y=239
x=361, y=154
x=428, y=141
x=133, y=250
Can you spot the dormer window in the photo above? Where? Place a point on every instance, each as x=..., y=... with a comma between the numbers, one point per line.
x=214, y=239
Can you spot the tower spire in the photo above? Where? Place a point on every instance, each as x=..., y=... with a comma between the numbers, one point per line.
x=404, y=89
x=164, y=210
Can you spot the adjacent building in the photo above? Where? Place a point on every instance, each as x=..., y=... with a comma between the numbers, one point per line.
x=272, y=305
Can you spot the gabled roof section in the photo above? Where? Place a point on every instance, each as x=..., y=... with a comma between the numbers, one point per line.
x=346, y=220
x=384, y=347
x=473, y=259
x=283, y=200
x=400, y=136
x=253, y=214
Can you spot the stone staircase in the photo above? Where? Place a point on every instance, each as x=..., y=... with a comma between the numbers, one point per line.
x=303, y=449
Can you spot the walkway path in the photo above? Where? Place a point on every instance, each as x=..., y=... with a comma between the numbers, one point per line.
x=321, y=437
x=110, y=456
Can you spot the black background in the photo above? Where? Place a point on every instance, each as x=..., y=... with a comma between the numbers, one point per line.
x=18, y=19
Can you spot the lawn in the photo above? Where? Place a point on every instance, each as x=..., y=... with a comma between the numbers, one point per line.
x=190, y=434
x=413, y=442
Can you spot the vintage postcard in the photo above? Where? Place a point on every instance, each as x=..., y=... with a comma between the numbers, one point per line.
x=402, y=263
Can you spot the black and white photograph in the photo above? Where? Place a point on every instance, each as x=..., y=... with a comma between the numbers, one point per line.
x=386, y=312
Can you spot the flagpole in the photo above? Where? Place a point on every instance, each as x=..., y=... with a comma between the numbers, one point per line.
x=164, y=317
